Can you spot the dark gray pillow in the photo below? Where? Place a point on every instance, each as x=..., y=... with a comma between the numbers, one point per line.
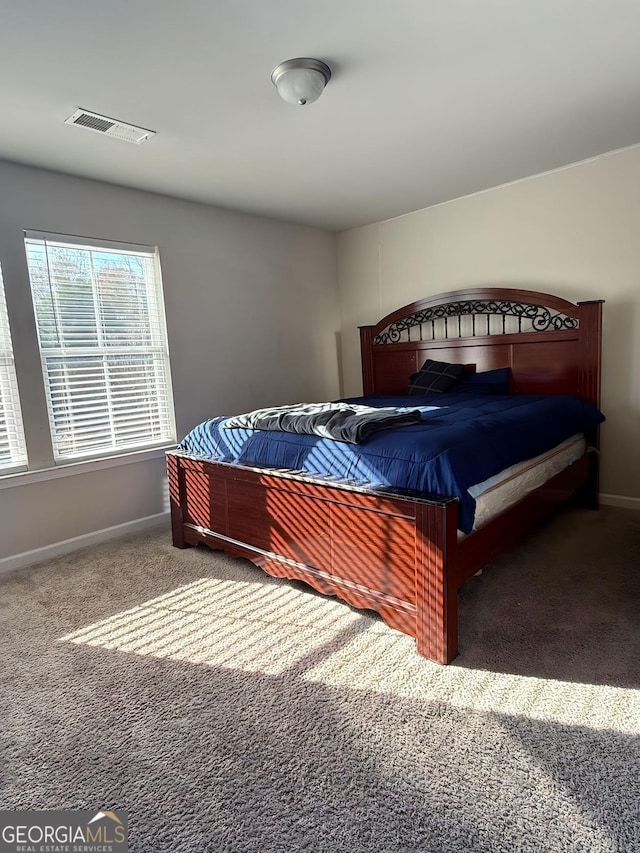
x=434, y=376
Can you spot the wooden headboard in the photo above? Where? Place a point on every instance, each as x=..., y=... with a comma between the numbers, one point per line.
x=552, y=346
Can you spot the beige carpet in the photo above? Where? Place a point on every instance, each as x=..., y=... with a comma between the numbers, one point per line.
x=226, y=711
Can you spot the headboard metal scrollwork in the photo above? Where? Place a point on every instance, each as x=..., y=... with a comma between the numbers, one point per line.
x=433, y=323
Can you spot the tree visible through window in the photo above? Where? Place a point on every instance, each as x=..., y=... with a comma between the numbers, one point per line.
x=103, y=344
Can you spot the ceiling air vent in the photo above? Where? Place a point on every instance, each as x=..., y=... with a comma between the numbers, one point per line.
x=110, y=127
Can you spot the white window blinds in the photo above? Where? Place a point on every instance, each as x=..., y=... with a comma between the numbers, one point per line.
x=103, y=344
x=13, y=452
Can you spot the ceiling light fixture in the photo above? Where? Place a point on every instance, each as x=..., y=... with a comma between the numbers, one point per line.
x=300, y=81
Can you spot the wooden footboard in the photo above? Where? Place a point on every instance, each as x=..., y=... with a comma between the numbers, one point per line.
x=376, y=551
x=397, y=555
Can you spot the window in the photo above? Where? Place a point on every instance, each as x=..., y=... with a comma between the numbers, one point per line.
x=13, y=452
x=103, y=344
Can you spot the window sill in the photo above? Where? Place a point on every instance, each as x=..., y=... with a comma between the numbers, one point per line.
x=25, y=478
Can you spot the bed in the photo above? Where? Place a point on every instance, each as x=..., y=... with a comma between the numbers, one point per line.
x=400, y=551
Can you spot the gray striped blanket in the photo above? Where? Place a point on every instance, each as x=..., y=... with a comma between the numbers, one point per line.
x=339, y=421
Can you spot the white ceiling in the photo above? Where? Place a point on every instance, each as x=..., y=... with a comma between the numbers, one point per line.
x=429, y=100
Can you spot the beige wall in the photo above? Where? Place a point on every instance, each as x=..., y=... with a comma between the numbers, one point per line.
x=574, y=232
x=252, y=317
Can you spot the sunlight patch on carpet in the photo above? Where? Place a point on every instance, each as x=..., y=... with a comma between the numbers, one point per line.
x=388, y=664
x=278, y=629
x=232, y=624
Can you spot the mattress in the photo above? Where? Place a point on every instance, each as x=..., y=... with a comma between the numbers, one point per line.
x=505, y=489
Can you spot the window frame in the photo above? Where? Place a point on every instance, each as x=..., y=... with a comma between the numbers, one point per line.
x=18, y=460
x=157, y=350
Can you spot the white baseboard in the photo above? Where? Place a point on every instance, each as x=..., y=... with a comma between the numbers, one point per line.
x=620, y=500
x=37, y=555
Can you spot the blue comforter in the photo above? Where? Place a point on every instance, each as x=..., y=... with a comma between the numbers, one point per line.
x=460, y=441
